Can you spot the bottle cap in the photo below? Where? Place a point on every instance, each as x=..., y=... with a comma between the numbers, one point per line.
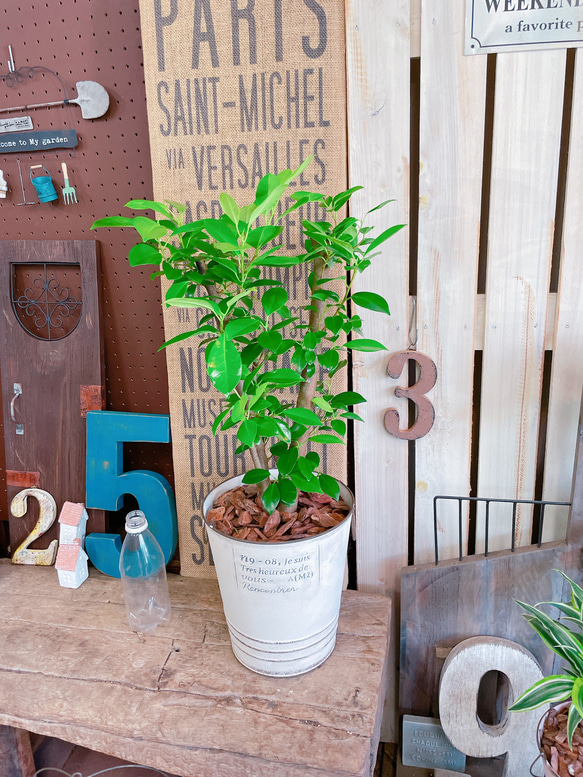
x=136, y=522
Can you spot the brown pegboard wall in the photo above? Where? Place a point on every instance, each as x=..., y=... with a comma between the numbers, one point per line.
x=98, y=41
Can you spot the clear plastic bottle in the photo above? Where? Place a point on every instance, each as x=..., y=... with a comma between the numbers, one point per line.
x=143, y=576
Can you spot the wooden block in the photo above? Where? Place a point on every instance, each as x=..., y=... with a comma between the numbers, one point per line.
x=16, y=758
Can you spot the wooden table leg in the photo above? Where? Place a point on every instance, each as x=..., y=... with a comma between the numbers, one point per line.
x=15, y=753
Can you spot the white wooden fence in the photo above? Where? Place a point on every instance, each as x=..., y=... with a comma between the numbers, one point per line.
x=492, y=135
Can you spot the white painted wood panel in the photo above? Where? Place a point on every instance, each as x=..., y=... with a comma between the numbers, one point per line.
x=453, y=97
x=567, y=364
x=378, y=35
x=527, y=127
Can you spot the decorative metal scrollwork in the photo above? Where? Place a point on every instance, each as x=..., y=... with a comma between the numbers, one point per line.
x=46, y=310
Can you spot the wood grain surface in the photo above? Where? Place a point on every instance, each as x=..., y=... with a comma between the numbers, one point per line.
x=50, y=372
x=179, y=701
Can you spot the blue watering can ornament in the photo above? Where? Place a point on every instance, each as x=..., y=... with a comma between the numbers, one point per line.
x=44, y=185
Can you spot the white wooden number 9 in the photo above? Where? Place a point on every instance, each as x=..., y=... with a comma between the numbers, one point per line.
x=460, y=680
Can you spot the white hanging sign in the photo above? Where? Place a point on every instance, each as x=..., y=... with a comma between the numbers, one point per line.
x=16, y=124
x=518, y=25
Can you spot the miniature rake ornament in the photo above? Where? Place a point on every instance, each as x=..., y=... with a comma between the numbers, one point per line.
x=69, y=193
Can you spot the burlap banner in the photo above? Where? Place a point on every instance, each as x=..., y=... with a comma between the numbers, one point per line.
x=236, y=90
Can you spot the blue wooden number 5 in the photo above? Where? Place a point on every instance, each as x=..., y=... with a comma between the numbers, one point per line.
x=106, y=482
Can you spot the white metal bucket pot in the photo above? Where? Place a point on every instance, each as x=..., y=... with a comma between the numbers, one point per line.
x=282, y=599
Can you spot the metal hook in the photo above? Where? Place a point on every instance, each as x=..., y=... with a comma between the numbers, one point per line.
x=412, y=322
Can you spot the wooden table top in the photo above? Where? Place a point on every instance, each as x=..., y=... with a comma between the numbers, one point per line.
x=179, y=700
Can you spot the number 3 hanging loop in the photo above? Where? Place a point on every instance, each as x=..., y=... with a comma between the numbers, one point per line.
x=425, y=412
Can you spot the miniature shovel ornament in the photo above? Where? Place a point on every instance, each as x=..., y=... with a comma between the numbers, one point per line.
x=92, y=98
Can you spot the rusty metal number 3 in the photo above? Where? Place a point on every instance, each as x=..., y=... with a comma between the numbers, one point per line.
x=425, y=412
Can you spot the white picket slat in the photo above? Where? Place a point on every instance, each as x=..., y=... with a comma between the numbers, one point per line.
x=567, y=364
x=525, y=155
x=378, y=124
x=453, y=97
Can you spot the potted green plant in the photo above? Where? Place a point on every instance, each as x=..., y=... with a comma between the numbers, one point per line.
x=217, y=266
x=561, y=724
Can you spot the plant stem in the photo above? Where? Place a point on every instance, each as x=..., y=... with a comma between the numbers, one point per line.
x=308, y=387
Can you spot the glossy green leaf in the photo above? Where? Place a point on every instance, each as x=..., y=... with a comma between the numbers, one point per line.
x=224, y=365
x=158, y=207
x=230, y=207
x=379, y=206
x=278, y=261
x=346, y=398
x=325, y=438
x=241, y=326
x=113, y=221
x=268, y=204
x=323, y=404
x=260, y=236
x=384, y=236
x=143, y=253
x=281, y=377
x=329, y=486
x=178, y=338
x=271, y=497
x=267, y=426
x=306, y=466
x=247, y=432
x=274, y=299
x=221, y=231
x=255, y=476
x=270, y=341
x=371, y=301
x=219, y=418
x=308, y=484
x=365, y=344
x=329, y=359
x=302, y=415
x=149, y=229
x=341, y=199
x=288, y=493
x=287, y=461
x=266, y=185
x=338, y=426
x=195, y=302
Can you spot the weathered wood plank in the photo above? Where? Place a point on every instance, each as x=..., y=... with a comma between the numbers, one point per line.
x=452, y=109
x=16, y=759
x=567, y=369
x=453, y=601
x=527, y=127
x=378, y=68
x=179, y=700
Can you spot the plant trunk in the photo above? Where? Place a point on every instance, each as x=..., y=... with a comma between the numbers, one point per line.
x=308, y=387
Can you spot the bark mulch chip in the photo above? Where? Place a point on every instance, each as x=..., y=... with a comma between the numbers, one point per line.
x=564, y=761
x=239, y=513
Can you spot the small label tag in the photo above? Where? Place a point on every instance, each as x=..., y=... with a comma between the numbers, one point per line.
x=426, y=746
x=16, y=124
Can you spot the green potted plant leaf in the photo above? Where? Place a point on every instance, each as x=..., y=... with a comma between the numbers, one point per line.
x=561, y=725
x=269, y=535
